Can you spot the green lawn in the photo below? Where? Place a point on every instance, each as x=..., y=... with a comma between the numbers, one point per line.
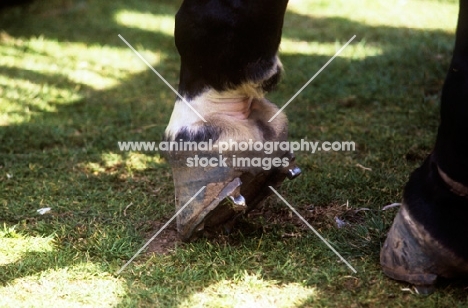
x=70, y=89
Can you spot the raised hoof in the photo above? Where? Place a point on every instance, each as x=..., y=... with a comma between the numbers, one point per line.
x=229, y=192
x=410, y=254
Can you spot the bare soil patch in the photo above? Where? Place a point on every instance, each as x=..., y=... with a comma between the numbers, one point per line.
x=166, y=241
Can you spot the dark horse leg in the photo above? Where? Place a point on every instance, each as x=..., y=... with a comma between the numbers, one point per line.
x=229, y=60
x=429, y=237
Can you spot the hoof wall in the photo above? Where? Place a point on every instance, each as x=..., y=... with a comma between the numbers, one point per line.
x=229, y=193
x=411, y=254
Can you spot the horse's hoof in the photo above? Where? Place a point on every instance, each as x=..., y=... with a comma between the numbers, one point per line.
x=230, y=191
x=411, y=254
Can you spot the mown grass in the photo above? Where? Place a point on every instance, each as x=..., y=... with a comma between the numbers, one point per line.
x=70, y=89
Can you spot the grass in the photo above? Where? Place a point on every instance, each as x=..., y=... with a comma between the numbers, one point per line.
x=70, y=89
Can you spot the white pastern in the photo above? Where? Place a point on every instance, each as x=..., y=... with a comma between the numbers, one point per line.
x=239, y=114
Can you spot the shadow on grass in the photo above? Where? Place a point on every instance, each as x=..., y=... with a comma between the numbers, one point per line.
x=29, y=264
x=61, y=156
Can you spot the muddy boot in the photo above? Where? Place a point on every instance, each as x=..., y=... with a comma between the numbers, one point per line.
x=428, y=237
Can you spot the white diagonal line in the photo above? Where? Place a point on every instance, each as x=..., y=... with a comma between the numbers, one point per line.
x=313, y=77
x=160, y=230
x=162, y=78
x=312, y=228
